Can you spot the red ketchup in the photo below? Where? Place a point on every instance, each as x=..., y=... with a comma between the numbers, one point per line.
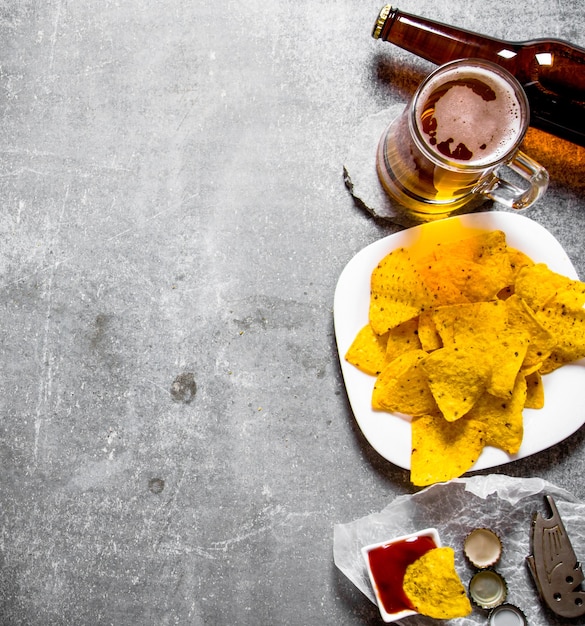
x=388, y=564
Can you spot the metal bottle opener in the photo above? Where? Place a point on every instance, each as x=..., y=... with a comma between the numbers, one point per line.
x=554, y=566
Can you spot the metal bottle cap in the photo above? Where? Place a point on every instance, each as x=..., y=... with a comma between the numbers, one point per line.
x=482, y=547
x=507, y=615
x=382, y=17
x=488, y=589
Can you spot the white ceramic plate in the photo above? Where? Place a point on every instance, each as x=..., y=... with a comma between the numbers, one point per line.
x=389, y=433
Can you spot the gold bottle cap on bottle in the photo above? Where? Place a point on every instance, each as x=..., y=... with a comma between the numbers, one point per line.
x=382, y=17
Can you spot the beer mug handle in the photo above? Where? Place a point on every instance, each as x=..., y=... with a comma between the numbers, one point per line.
x=511, y=195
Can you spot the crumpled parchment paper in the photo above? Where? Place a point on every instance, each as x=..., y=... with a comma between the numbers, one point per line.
x=502, y=503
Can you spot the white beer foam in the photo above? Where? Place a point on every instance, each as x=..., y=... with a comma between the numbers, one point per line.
x=489, y=129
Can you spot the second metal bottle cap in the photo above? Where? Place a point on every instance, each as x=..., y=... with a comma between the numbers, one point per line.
x=507, y=615
x=488, y=589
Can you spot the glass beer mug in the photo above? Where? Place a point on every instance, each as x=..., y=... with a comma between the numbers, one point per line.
x=441, y=156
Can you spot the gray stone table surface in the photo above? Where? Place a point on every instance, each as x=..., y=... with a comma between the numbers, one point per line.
x=176, y=443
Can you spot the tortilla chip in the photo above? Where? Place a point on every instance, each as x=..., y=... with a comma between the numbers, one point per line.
x=397, y=292
x=487, y=248
x=558, y=303
x=443, y=450
x=507, y=355
x=368, y=351
x=438, y=277
x=427, y=332
x=534, y=391
x=457, y=377
x=474, y=281
x=402, y=386
x=572, y=297
x=522, y=317
x=387, y=378
x=518, y=260
x=484, y=326
x=482, y=283
x=538, y=285
x=433, y=586
x=402, y=338
x=476, y=268
x=502, y=421
x=470, y=324
x=568, y=329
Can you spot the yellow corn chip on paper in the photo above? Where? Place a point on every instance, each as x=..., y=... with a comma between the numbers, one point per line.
x=433, y=586
x=459, y=337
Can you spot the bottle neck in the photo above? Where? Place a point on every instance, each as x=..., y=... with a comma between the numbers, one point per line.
x=551, y=71
x=432, y=40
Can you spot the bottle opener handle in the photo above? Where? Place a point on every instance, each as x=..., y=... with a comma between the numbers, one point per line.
x=554, y=566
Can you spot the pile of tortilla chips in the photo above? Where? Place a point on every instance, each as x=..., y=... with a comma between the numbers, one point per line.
x=433, y=586
x=458, y=338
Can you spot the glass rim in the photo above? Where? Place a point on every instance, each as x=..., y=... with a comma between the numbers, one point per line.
x=460, y=166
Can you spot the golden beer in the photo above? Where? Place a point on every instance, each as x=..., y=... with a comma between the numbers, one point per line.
x=465, y=120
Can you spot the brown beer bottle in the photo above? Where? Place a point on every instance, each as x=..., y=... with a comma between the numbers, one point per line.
x=551, y=71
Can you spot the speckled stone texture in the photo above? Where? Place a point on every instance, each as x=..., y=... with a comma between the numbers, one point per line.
x=175, y=439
